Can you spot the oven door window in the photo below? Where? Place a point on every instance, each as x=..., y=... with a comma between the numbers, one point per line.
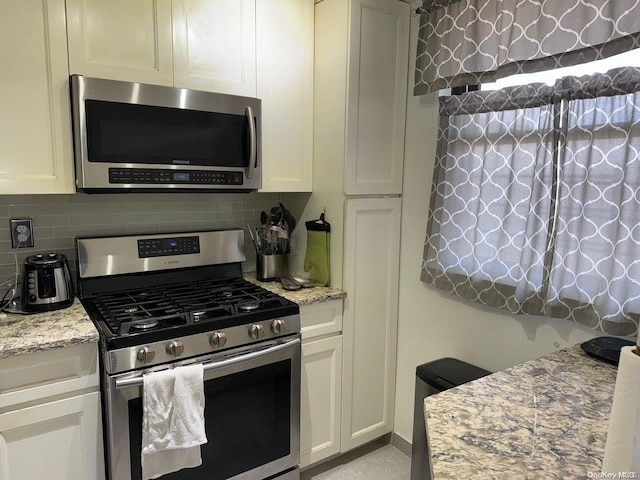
x=129, y=133
x=248, y=423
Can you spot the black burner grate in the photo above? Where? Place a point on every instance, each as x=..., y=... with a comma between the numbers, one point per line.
x=162, y=307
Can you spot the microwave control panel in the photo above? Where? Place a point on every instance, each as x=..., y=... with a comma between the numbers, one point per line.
x=180, y=177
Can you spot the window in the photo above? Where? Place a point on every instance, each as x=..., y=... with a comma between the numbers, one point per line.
x=626, y=59
x=536, y=196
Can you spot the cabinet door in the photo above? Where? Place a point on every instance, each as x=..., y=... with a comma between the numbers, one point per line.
x=121, y=40
x=59, y=440
x=371, y=269
x=36, y=155
x=320, y=400
x=285, y=85
x=214, y=46
x=377, y=96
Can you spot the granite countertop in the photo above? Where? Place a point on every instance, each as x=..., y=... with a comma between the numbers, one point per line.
x=23, y=334
x=546, y=418
x=303, y=296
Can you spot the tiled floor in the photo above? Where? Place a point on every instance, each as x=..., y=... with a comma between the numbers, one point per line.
x=384, y=463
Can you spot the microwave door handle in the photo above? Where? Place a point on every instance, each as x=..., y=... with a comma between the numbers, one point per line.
x=138, y=381
x=248, y=111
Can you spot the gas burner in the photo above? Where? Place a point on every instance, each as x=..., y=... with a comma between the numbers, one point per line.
x=154, y=311
x=144, y=325
x=249, y=306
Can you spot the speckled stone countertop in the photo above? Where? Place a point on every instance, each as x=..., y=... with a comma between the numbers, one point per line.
x=23, y=334
x=303, y=296
x=546, y=418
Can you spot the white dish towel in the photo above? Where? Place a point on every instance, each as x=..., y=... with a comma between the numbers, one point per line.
x=172, y=420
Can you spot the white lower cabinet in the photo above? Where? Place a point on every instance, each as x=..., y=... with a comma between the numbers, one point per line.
x=50, y=416
x=321, y=385
x=54, y=440
x=320, y=399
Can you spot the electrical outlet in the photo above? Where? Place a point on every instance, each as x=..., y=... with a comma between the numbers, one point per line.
x=21, y=233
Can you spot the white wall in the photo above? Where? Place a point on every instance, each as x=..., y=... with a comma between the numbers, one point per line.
x=434, y=324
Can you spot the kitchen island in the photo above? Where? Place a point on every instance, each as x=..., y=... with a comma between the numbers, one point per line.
x=546, y=418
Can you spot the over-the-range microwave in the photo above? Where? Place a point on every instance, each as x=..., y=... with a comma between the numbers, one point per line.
x=147, y=138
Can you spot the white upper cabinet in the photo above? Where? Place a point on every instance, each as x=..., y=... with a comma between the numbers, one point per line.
x=252, y=48
x=376, y=96
x=36, y=154
x=285, y=85
x=205, y=45
x=121, y=40
x=214, y=45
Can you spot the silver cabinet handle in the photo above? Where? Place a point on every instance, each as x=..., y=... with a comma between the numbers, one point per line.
x=252, y=142
x=207, y=367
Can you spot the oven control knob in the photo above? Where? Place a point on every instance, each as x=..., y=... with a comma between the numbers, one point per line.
x=175, y=348
x=146, y=354
x=278, y=326
x=256, y=331
x=217, y=339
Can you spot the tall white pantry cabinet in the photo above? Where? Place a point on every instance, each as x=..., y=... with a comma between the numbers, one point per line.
x=360, y=88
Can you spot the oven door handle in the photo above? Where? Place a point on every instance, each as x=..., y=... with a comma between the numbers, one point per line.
x=138, y=381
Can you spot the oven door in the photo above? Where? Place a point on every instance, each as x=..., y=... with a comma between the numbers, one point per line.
x=252, y=415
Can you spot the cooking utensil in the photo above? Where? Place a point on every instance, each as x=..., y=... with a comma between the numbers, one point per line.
x=253, y=239
x=283, y=218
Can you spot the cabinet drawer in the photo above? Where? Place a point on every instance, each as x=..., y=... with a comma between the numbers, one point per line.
x=25, y=378
x=321, y=318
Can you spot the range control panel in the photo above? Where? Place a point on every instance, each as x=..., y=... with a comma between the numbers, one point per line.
x=180, y=177
x=161, y=247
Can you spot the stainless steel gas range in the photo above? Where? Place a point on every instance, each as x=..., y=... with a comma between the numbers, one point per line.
x=165, y=300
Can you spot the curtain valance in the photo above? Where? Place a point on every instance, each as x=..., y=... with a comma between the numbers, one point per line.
x=466, y=42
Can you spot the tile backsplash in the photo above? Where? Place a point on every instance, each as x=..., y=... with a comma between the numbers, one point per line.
x=58, y=219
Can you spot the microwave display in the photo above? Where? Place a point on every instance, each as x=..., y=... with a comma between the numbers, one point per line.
x=143, y=134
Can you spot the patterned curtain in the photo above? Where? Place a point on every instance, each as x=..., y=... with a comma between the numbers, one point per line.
x=595, y=274
x=467, y=42
x=535, y=202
